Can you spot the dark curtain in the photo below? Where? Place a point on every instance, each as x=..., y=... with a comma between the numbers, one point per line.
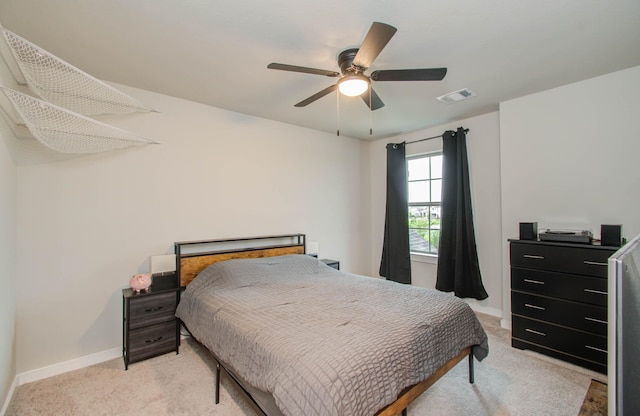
x=396, y=261
x=458, y=267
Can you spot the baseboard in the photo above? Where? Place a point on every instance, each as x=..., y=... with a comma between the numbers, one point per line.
x=485, y=309
x=505, y=323
x=66, y=366
x=7, y=399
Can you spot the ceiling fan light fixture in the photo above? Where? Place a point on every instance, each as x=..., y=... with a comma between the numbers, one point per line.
x=353, y=85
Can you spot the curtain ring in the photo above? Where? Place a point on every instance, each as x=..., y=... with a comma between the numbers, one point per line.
x=395, y=146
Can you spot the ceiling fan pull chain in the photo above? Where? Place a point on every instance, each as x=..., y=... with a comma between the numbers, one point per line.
x=338, y=114
x=370, y=114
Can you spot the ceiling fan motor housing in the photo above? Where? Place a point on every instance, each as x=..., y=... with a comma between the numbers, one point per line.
x=345, y=61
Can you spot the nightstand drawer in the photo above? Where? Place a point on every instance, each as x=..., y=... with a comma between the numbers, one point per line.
x=591, y=290
x=150, y=310
x=577, y=260
x=562, y=339
x=152, y=340
x=576, y=315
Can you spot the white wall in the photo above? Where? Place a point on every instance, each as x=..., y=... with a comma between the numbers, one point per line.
x=483, y=146
x=8, y=212
x=570, y=158
x=86, y=224
x=8, y=216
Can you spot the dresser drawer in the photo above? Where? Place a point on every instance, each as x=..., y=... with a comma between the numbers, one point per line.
x=576, y=315
x=591, y=290
x=150, y=310
x=586, y=261
x=152, y=340
x=565, y=340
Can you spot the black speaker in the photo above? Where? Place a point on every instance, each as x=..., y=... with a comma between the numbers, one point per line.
x=528, y=231
x=611, y=235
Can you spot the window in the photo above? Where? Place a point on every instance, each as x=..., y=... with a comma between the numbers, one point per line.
x=425, y=189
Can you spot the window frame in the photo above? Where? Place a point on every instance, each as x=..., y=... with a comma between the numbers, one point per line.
x=429, y=205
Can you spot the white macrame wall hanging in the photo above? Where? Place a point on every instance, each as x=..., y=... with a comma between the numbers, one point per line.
x=61, y=83
x=68, y=95
x=68, y=132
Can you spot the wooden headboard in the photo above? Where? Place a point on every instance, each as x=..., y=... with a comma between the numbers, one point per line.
x=194, y=256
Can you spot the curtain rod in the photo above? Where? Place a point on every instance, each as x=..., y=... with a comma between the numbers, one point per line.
x=430, y=138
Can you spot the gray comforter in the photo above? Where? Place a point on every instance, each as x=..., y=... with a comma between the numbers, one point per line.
x=325, y=342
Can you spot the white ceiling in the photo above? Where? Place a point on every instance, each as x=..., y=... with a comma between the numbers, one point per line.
x=217, y=52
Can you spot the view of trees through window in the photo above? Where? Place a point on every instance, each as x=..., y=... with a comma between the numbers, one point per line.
x=425, y=189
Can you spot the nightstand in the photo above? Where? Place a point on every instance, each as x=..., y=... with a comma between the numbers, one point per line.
x=149, y=326
x=331, y=263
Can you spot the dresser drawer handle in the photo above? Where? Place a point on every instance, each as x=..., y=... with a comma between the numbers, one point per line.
x=532, y=256
x=594, y=263
x=154, y=309
x=595, y=320
x=538, y=282
x=596, y=349
x=535, y=332
x=598, y=292
x=528, y=305
x=151, y=341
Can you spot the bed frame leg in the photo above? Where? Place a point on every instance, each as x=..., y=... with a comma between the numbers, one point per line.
x=471, y=377
x=217, y=383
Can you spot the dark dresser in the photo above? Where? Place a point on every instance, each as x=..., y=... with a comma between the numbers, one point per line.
x=150, y=327
x=559, y=300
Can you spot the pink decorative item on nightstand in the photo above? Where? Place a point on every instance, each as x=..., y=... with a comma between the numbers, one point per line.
x=140, y=282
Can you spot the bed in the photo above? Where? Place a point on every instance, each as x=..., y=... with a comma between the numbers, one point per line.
x=301, y=338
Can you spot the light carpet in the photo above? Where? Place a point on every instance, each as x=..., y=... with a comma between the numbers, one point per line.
x=508, y=382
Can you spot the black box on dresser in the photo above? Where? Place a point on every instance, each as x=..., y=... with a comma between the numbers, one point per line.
x=559, y=300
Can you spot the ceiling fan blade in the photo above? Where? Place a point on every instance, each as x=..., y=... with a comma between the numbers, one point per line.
x=293, y=68
x=376, y=39
x=426, y=74
x=376, y=102
x=317, y=96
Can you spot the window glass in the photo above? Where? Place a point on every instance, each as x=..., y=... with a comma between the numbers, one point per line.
x=436, y=167
x=418, y=191
x=436, y=190
x=425, y=194
x=418, y=169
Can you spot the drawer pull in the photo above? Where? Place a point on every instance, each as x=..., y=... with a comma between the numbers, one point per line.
x=595, y=320
x=594, y=263
x=151, y=341
x=154, y=309
x=538, y=282
x=532, y=256
x=535, y=332
x=596, y=349
x=598, y=292
x=528, y=305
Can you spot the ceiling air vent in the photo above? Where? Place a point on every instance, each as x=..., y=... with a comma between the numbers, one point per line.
x=454, y=97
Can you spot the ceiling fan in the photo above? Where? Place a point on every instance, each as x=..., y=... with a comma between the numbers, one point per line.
x=354, y=62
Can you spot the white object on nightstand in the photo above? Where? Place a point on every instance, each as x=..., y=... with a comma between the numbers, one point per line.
x=162, y=263
x=313, y=247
